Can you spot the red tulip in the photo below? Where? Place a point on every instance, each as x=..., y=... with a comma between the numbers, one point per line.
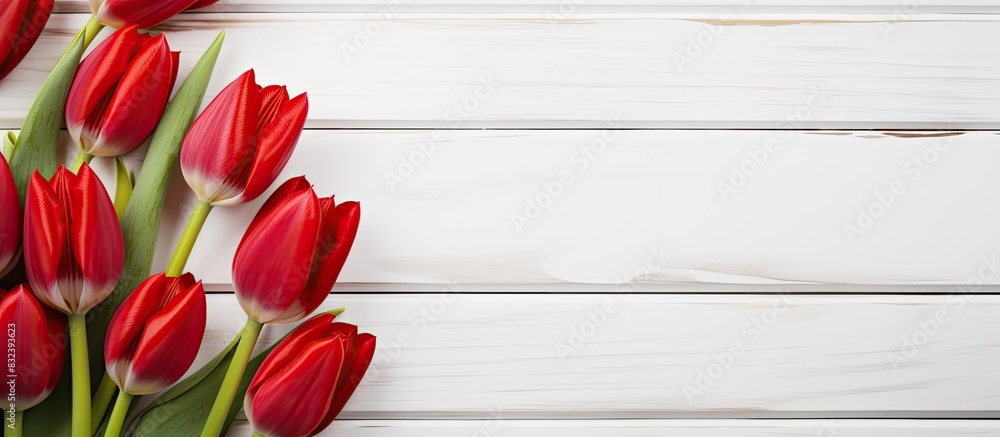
x=292, y=253
x=154, y=336
x=120, y=91
x=10, y=220
x=321, y=363
x=144, y=13
x=239, y=144
x=39, y=346
x=21, y=22
x=73, y=248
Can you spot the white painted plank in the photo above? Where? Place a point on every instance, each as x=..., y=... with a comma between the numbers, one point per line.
x=647, y=211
x=757, y=70
x=471, y=356
x=500, y=427
x=577, y=6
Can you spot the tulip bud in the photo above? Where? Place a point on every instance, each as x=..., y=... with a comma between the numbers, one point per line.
x=320, y=363
x=21, y=22
x=292, y=253
x=10, y=220
x=243, y=139
x=143, y=13
x=154, y=336
x=120, y=91
x=73, y=248
x=37, y=335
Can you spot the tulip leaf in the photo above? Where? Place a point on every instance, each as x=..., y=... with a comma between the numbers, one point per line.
x=183, y=410
x=124, y=181
x=36, y=145
x=9, y=141
x=141, y=221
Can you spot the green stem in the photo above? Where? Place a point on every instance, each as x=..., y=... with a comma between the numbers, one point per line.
x=118, y=415
x=90, y=30
x=102, y=400
x=81, y=375
x=220, y=410
x=256, y=434
x=81, y=157
x=191, y=231
x=14, y=429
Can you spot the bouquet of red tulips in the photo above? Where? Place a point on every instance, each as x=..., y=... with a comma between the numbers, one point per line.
x=91, y=323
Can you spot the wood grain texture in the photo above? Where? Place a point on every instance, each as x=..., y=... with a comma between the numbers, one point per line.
x=578, y=6
x=500, y=427
x=476, y=209
x=641, y=70
x=472, y=356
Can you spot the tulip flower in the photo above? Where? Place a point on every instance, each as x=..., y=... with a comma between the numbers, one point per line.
x=21, y=22
x=320, y=363
x=143, y=13
x=235, y=150
x=73, y=253
x=153, y=338
x=284, y=268
x=243, y=139
x=10, y=220
x=292, y=253
x=119, y=93
x=38, y=334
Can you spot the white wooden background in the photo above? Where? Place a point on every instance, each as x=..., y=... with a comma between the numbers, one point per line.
x=703, y=218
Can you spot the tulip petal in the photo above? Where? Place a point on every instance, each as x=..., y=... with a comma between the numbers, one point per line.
x=128, y=323
x=144, y=13
x=169, y=343
x=273, y=260
x=335, y=244
x=274, y=148
x=286, y=189
x=33, y=370
x=45, y=231
x=36, y=15
x=314, y=293
x=218, y=151
x=309, y=331
x=138, y=101
x=11, y=17
x=94, y=86
x=314, y=371
x=10, y=219
x=96, y=237
x=364, y=350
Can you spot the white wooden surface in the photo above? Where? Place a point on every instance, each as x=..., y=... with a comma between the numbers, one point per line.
x=593, y=317
x=845, y=71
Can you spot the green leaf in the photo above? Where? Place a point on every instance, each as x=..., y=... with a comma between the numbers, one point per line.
x=9, y=141
x=36, y=145
x=183, y=410
x=124, y=181
x=141, y=221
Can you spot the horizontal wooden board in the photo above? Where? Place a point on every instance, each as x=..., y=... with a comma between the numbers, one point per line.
x=501, y=427
x=659, y=210
x=785, y=71
x=448, y=356
x=576, y=6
